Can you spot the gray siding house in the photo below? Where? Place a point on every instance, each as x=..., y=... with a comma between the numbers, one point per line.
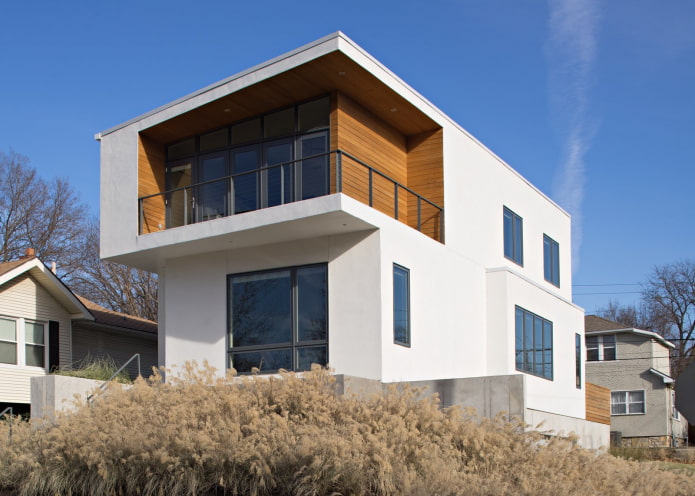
x=635, y=366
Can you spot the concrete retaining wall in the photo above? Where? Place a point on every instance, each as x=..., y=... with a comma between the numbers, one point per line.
x=55, y=393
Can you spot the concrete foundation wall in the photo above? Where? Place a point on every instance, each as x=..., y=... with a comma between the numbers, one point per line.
x=55, y=393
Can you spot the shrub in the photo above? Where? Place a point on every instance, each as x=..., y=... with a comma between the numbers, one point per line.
x=290, y=435
x=100, y=368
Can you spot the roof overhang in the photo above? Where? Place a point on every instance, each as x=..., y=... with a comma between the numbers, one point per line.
x=666, y=378
x=51, y=283
x=657, y=337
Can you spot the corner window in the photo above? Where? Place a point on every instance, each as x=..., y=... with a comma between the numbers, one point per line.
x=578, y=360
x=513, y=237
x=551, y=260
x=534, y=344
x=278, y=319
x=401, y=305
x=600, y=348
x=8, y=341
x=627, y=403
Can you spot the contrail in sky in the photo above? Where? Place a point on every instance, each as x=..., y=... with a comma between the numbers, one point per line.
x=571, y=52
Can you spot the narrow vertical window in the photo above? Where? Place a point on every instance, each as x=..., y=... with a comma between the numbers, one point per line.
x=35, y=344
x=551, y=260
x=578, y=359
x=513, y=237
x=401, y=305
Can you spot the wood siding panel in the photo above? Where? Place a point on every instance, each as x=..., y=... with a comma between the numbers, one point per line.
x=598, y=404
x=426, y=178
x=151, y=180
x=96, y=342
x=23, y=297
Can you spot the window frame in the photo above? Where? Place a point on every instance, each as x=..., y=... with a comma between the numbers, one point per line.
x=601, y=348
x=44, y=345
x=529, y=366
x=627, y=403
x=294, y=344
x=551, y=260
x=516, y=230
x=21, y=342
x=578, y=360
x=406, y=272
x=15, y=342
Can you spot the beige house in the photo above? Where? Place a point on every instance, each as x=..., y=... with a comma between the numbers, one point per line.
x=635, y=366
x=43, y=326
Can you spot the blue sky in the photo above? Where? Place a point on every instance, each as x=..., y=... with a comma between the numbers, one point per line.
x=594, y=102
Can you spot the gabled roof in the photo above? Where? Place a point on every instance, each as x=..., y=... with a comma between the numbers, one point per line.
x=595, y=325
x=48, y=280
x=112, y=318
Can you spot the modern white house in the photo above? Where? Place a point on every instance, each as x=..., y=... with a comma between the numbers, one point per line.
x=635, y=365
x=317, y=209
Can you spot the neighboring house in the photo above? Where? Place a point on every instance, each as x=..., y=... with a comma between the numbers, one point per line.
x=43, y=326
x=635, y=366
x=316, y=209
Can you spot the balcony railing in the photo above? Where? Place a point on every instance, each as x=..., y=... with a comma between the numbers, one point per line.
x=287, y=182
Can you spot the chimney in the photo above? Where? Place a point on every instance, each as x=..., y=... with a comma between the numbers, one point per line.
x=28, y=253
x=53, y=267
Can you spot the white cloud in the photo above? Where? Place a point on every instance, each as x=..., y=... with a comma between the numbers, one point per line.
x=571, y=53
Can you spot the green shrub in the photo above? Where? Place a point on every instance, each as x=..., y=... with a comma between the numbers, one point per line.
x=100, y=368
x=198, y=434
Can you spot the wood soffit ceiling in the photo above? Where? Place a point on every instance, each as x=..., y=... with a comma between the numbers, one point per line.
x=331, y=72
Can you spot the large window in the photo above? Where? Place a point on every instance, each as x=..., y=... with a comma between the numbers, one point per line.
x=272, y=159
x=278, y=319
x=22, y=342
x=513, y=237
x=551, y=260
x=627, y=402
x=600, y=348
x=401, y=305
x=534, y=344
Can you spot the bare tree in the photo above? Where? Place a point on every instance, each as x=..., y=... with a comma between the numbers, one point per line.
x=44, y=215
x=112, y=285
x=669, y=294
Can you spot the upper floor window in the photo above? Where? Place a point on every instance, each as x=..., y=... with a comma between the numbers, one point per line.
x=627, y=402
x=600, y=348
x=534, y=344
x=551, y=260
x=278, y=319
x=513, y=237
x=401, y=305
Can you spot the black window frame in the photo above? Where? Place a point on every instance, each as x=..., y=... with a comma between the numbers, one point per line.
x=578, y=359
x=551, y=260
x=406, y=272
x=516, y=229
x=295, y=343
x=529, y=366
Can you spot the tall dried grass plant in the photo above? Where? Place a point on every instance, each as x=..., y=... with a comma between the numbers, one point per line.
x=199, y=434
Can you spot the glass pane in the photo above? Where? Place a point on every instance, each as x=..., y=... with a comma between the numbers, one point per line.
x=314, y=115
x=35, y=355
x=279, y=179
x=556, y=263
x=538, y=345
x=547, y=260
x=618, y=408
x=528, y=342
x=508, y=238
x=246, y=131
x=547, y=349
x=307, y=356
x=214, y=140
x=212, y=197
x=182, y=149
x=245, y=186
x=314, y=171
x=518, y=240
x=8, y=330
x=265, y=361
x=311, y=303
x=279, y=123
x=401, y=310
x=8, y=353
x=261, y=309
x=34, y=333
x=609, y=353
x=179, y=202
x=519, y=335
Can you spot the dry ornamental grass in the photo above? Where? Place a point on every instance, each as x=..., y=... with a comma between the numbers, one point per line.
x=198, y=434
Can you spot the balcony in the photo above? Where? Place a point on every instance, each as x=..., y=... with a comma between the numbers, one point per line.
x=287, y=182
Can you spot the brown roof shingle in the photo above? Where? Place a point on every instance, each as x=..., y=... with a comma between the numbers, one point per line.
x=109, y=317
x=596, y=323
x=5, y=267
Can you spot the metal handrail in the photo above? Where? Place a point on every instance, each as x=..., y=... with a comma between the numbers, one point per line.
x=11, y=412
x=338, y=186
x=105, y=384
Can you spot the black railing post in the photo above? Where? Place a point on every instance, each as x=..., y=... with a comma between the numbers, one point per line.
x=370, y=188
x=395, y=200
x=419, y=209
x=441, y=226
x=338, y=171
x=142, y=214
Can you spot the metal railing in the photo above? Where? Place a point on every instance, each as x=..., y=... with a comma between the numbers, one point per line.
x=105, y=384
x=9, y=410
x=287, y=182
